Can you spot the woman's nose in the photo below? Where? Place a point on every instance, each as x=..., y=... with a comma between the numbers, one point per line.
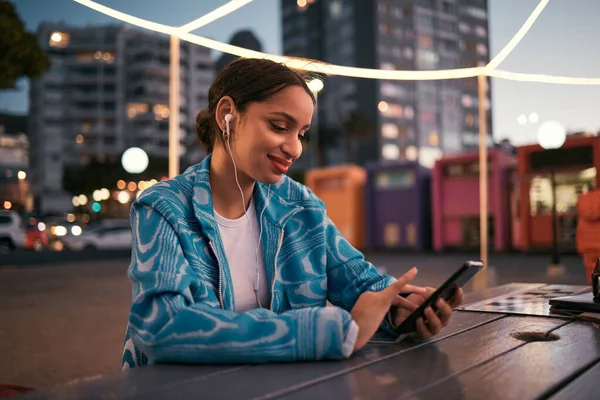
x=293, y=148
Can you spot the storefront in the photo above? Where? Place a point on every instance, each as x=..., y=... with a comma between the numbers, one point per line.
x=342, y=190
x=397, y=198
x=571, y=171
x=455, y=201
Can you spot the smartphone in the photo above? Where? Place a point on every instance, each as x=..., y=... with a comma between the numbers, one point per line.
x=463, y=275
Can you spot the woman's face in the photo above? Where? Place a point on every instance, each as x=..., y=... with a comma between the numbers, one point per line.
x=267, y=137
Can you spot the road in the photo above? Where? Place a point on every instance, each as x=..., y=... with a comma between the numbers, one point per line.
x=65, y=320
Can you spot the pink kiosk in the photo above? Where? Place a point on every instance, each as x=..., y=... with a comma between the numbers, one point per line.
x=455, y=201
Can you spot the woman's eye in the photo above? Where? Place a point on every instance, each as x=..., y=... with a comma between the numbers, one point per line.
x=302, y=138
x=278, y=128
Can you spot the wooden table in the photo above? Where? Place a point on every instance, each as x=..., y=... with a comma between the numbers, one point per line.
x=475, y=357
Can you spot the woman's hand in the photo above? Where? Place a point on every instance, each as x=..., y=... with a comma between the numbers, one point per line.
x=371, y=307
x=434, y=320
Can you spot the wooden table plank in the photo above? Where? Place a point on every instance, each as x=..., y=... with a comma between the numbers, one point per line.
x=272, y=378
x=585, y=386
x=474, y=297
x=132, y=382
x=532, y=371
x=419, y=367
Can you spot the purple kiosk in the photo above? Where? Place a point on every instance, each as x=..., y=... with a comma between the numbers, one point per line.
x=398, y=206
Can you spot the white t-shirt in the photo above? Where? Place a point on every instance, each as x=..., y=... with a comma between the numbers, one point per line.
x=241, y=252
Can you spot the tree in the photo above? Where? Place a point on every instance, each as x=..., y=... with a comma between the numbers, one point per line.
x=21, y=55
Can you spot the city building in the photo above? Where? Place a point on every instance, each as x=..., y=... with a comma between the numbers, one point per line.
x=107, y=90
x=14, y=163
x=243, y=38
x=401, y=120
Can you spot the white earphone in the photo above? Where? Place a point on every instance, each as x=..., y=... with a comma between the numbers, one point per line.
x=227, y=136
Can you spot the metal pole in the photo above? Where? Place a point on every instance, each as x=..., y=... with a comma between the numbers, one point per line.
x=315, y=123
x=174, y=93
x=481, y=279
x=555, y=252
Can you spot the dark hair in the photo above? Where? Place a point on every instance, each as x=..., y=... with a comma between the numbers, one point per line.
x=246, y=81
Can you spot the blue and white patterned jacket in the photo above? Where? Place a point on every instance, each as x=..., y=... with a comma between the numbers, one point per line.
x=183, y=301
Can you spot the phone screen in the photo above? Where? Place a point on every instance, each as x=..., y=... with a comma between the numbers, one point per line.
x=445, y=291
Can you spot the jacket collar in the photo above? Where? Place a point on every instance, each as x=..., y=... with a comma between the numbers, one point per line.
x=269, y=202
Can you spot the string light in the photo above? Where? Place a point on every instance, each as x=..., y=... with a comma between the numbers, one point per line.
x=213, y=15
x=541, y=78
x=331, y=69
x=512, y=43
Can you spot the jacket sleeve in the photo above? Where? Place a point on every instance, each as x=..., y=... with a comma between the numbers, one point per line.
x=168, y=324
x=349, y=275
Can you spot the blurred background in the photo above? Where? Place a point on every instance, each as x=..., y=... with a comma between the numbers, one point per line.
x=84, y=129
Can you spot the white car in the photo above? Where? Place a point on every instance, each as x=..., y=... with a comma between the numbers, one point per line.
x=12, y=232
x=101, y=238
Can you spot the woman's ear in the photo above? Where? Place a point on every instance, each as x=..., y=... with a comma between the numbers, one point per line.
x=225, y=106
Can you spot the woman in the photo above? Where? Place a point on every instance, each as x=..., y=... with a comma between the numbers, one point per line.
x=233, y=262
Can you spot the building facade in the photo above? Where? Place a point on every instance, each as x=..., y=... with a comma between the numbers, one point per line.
x=107, y=90
x=402, y=120
x=14, y=163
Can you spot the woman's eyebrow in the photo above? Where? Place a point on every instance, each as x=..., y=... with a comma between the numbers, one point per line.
x=289, y=118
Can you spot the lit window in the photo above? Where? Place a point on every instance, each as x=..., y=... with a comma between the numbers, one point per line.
x=85, y=56
x=476, y=12
x=426, y=59
x=335, y=9
x=464, y=28
x=425, y=42
x=387, y=66
x=393, y=111
x=409, y=112
x=470, y=119
x=134, y=109
x=79, y=139
x=301, y=3
x=388, y=89
x=382, y=106
x=480, y=31
x=161, y=112
x=412, y=153
x=390, y=131
x=390, y=151
x=408, y=53
x=434, y=138
x=59, y=39
x=467, y=101
x=108, y=57
x=481, y=49
x=98, y=55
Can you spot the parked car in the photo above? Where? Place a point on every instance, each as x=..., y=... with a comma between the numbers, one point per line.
x=100, y=238
x=12, y=232
x=36, y=238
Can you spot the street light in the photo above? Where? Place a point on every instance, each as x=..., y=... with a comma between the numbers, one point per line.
x=134, y=160
x=315, y=85
x=551, y=135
